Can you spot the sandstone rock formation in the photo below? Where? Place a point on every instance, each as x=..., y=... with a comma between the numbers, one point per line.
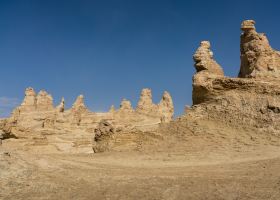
x=79, y=105
x=206, y=68
x=145, y=103
x=61, y=106
x=44, y=101
x=37, y=117
x=250, y=101
x=126, y=106
x=104, y=129
x=242, y=101
x=204, y=61
x=221, y=105
x=30, y=102
x=164, y=110
x=258, y=58
x=166, y=107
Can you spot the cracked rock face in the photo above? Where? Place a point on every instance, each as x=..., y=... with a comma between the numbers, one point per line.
x=258, y=58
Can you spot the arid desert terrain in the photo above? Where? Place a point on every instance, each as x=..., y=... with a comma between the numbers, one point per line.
x=225, y=146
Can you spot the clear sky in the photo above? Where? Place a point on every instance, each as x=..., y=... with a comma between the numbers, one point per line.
x=111, y=49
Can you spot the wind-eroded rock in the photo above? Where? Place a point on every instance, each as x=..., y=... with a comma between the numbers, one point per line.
x=244, y=101
x=204, y=60
x=126, y=106
x=258, y=58
x=166, y=107
x=206, y=68
x=44, y=101
x=30, y=101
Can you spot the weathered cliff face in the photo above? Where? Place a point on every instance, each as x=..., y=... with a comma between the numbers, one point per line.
x=251, y=101
x=258, y=58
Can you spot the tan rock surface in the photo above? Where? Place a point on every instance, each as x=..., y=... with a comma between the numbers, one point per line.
x=166, y=107
x=30, y=102
x=44, y=101
x=258, y=58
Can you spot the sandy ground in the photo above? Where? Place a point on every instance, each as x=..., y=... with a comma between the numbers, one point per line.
x=246, y=172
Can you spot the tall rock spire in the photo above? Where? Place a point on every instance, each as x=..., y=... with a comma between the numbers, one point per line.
x=166, y=107
x=258, y=58
x=145, y=103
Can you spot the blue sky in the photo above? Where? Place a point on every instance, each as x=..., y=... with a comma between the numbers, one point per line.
x=111, y=49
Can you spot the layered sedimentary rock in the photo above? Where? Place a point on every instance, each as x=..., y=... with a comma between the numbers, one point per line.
x=37, y=117
x=221, y=105
x=248, y=102
x=244, y=101
x=258, y=58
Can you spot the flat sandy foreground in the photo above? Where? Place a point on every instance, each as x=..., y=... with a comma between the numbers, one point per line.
x=248, y=172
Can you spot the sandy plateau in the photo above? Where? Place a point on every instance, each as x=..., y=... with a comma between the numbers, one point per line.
x=225, y=146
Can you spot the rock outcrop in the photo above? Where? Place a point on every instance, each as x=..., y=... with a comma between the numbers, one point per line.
x=206, y=68
x=166, y=107
x=37, y=117
x=61, y=106
x=145, y=103
x=44, y=101
x=221, y=105
x=79, y=105
x=204, y=60
x=250, y=100
x=126, y=106
x=102, y=132
x=258, y=58
x=30, y=101
x=164, y=110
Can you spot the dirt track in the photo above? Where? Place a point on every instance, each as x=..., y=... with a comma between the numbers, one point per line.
x=251, y=173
